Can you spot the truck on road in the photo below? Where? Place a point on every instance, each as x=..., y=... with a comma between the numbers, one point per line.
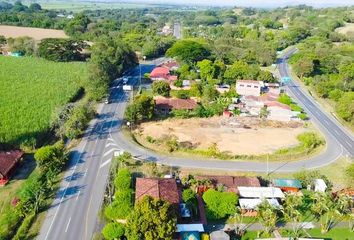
x=127, y=87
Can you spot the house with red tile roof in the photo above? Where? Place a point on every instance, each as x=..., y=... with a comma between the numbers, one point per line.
x=279, y=111
x=170, y=65
x=231, y=183
x=165, y=105
x=159, y=188
x=8, y=162
x=162, y=73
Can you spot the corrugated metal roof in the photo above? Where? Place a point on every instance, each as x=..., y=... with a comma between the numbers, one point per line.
x=282, y=182
x=260, y=192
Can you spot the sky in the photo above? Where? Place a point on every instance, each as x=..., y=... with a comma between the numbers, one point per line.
x=252, y=3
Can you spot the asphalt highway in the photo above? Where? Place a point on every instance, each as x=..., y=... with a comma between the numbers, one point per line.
x=74, y=212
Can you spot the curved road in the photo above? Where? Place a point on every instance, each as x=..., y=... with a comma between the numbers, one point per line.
x=73, y=213
x=339, y=140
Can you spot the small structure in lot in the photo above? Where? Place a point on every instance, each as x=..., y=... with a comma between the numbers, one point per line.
x=219, y=235
x=279, y=111
x=230, y=183
x=260, y=192
x=170, y=65
x=320, y=185
x=190, y=231
x=227, y=113
x=8, y=162
x=287, y=185
x=223, y=88
x=159, y=188
x=164, y=105
x=273, y=88
x=249, y=205
x=249, y=87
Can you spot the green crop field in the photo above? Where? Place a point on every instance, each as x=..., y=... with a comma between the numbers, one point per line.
x=30, y=90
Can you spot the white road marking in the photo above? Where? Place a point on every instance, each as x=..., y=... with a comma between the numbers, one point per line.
x=111, y=144
x=67, y=226
x=105, y=163
x=78, y=195
x=109, y=152
x=348, y=143
x=85, y=172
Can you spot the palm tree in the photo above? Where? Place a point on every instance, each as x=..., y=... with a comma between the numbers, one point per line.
x=267, y=215
x=291, y=212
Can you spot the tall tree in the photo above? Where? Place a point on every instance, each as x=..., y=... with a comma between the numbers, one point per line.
x=151, y=219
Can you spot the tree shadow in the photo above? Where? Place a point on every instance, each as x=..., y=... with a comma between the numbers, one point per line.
x=70, y=191
x=74, y=177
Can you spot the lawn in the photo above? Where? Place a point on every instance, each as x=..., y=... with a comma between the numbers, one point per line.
x=333, y=234
x=30, y=90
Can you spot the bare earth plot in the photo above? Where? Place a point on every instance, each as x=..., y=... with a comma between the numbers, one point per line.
x=239, y=136
x=348, y=29
x=35, y=33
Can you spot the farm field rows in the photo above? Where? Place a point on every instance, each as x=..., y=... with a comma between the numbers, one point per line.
x=30, y=90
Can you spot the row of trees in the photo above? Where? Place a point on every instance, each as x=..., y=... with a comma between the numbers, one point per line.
x=39, y=187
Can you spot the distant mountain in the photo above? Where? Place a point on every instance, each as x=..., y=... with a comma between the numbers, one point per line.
x=245, y=3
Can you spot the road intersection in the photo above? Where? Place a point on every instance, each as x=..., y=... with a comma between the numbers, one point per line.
x=74, y=212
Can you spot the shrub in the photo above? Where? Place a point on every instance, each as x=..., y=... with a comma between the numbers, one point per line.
x=285, y=99
x=150, y=139
x=302, y=116
x=188, y=195
x=295, y=107
x=113, y=231
x=117, y=210
x=123, y=179
x=310, y=140
x=123, y=196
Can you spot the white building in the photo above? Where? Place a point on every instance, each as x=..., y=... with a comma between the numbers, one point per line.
x=249, y=87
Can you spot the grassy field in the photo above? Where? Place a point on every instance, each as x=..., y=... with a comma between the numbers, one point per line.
x=333, y=234
x=30, y=90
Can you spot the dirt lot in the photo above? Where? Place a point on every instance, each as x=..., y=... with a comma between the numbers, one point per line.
x=235, y=135
x=348, y=29
x=35, y=33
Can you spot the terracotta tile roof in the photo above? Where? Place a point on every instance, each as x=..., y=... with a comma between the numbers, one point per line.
x=165, y=189
x=8, y=160
x=232, y=182
x=160, y=72
x=241, y=181
x=277, y=104
x=175, y=103
x=170, y=65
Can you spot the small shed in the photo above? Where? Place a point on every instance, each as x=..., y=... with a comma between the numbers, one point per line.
x=287, y=185
x=219, y=235
x=320, y=185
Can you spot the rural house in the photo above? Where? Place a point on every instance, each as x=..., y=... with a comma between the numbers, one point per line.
x=8, y=162
x=249, y=87
x=170, y=65
x=287, y=185
x=230, y=183
x=159, y=188
x=162, y=74
x=164, y=106
x=279, y=111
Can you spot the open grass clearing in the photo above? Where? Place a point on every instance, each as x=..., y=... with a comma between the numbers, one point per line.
x=35, y=33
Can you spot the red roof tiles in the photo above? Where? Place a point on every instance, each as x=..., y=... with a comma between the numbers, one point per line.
x=160, y=72
x=176, y=103
x=277, y=104
x=8, y=161
x=165, y=189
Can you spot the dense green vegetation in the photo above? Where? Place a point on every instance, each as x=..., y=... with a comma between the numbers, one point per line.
x=30, y=90
x=329, y=69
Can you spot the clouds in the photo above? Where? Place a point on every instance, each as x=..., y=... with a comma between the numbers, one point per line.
x=253, y=3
